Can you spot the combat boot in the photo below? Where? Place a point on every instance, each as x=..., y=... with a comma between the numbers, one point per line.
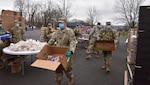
x=58, y=82
x=97, y=54
x=104, y=67
x=107, y=68
x=88, y=56
x=70, y=81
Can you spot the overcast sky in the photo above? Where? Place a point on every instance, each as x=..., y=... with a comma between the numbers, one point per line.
x=79, y=8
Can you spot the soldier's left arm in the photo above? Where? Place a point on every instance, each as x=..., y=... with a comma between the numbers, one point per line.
x=72, y=40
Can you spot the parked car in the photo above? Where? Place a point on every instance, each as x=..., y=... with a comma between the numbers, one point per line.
x=30, y=27
x=4, y=34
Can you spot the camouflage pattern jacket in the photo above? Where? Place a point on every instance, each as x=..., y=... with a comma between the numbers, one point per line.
x=47, y=33
x=77, y=31
x=17, y=34
x=64, y=37
x=94, y=31
x=106, y=35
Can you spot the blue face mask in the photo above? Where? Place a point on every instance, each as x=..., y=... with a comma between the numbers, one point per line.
x=61, y=25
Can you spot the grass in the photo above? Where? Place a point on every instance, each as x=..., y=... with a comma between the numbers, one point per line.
x=123, y=33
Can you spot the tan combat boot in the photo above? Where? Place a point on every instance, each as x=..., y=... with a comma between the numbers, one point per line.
x=107, y=68
x=88, y=56
x=70, y=81
x=58, y=82
x=97, y=54
x=104, y=67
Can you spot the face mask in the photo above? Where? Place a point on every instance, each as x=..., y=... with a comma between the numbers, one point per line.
x=108, y=27
x=61, y=26
x=17, y=25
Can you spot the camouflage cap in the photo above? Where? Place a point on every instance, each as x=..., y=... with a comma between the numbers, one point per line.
x=108, y=23
x=62, y=20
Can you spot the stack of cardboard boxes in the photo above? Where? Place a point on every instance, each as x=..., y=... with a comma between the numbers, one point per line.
x=8, y=18
x=132, y=42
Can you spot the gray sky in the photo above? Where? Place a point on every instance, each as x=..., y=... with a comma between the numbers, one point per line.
x=79, y=8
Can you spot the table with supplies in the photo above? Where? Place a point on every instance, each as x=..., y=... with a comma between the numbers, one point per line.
x=21, y=54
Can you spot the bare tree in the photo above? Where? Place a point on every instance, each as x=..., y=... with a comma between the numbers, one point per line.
x=128, y=11
x=93, y=15
x=20, y=5
x=49, y=12
x=43, y=12
x=65, y=8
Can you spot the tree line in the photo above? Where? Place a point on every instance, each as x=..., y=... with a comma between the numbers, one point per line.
x=42, y=12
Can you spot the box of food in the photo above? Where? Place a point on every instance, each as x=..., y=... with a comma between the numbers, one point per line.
x=106, y=45
x=53, y=58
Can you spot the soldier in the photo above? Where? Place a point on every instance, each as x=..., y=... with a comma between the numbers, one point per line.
x=92, y=39
x=77, y=32
x=17, y=33
x=107, y=34
x=48, y=32
x=64, y=36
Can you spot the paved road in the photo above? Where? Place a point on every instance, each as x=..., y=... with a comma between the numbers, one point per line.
x=87, y=72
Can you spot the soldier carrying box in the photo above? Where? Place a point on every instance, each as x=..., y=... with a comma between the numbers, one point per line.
x=107, y=34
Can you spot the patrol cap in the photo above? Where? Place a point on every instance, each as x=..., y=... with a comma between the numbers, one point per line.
x=62, y=20
x=108, y=23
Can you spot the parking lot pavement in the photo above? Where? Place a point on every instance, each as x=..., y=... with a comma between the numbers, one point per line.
x=87, y=72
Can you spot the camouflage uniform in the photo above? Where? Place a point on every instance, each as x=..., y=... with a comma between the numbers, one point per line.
x=77, y=32
x=47, y=33
x=107, y=34
x=92, y=39
x=64, y=37
x=17, y=34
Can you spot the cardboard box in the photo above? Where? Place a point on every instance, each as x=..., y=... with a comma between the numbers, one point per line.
x=8, y=17
x=106, y=45
x=43, y=62
x=16, y=65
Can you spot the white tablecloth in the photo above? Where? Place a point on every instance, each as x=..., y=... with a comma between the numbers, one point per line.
x=8, y=51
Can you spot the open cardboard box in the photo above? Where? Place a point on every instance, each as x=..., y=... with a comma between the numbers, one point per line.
x=43, y=62
x=106, y=45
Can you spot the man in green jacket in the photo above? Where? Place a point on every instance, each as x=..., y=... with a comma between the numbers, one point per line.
x=64, y=36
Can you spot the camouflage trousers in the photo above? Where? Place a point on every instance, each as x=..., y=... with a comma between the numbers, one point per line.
x=1, y=47
x=59, y=74
x=91, y=48
x=107, y=56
